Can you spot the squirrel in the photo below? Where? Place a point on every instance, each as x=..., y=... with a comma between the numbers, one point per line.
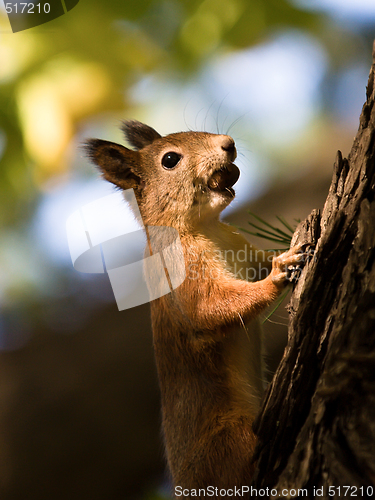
x=206, y=332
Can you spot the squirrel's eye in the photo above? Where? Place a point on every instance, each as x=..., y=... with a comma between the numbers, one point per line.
x=170, y=160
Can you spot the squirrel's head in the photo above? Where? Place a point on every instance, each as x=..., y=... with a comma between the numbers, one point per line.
x=178, y=179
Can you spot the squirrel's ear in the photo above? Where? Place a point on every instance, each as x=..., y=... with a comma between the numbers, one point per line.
x=118, y=164
x=138, y=134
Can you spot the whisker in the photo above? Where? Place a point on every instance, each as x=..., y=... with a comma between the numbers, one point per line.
x=184, y=114
x=236, y=121
x=218, y=113
x=196, y=118
x=208, y=111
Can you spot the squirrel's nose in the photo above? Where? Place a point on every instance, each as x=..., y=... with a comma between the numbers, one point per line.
x=228, y=146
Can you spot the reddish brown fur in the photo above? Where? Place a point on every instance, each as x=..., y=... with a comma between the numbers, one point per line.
x=209, y=363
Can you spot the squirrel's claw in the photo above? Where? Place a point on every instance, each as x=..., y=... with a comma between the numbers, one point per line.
x=294, y=272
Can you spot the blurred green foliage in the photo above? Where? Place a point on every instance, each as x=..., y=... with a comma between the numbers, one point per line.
x=55, y=76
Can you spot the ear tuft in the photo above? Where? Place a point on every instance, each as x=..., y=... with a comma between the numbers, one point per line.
x=118, y=164
x=138, y=134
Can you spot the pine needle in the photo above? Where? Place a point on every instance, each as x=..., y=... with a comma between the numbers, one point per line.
x=269, y=232
x=285, y=223
x=272, y=233
x=277, y=305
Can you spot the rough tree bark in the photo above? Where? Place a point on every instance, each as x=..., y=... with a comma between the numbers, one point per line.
x=317, y=425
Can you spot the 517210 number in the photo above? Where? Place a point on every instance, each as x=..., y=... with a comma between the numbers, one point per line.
x=27, y=8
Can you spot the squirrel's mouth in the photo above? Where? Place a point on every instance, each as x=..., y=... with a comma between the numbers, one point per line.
x=223, y=179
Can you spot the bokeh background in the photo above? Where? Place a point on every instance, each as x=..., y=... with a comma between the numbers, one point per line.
x=79, y=401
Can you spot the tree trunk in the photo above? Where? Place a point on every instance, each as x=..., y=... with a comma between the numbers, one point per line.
x=316, y=429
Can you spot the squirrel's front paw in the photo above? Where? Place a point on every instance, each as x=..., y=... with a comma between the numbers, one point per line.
x=287, y=267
